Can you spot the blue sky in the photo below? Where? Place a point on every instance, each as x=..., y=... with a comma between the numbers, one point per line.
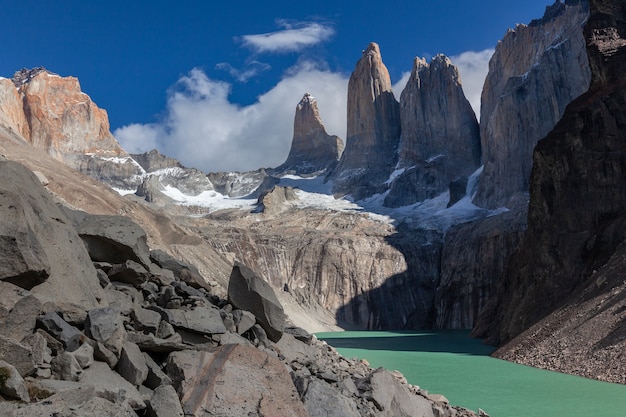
x=216, y=84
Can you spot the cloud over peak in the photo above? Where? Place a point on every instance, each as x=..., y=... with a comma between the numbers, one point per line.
x=294, y=37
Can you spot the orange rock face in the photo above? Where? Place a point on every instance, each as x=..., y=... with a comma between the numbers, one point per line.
x=63, y=120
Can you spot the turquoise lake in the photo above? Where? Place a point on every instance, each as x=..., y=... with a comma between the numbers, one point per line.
x=457, y=366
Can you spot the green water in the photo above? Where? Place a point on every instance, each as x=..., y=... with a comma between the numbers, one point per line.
x=453, y=364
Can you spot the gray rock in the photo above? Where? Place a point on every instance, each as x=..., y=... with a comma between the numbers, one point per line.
x=19, y=310
x=103, y=278
x=156, y=377
x=54, y=345
x=146, y=320
x=165, y=403
x=187, y=291
x=104, y=354
x=260, y=336
x=66, y=367
x=112, y=386
x=205, y=320
x=76, y=402
x=295, y=351
x=161, y=276
x=113, y=239
x=233, y=339
x=120, y=300
x=458, y=188
x=182, y=270
x=321, y=400
x=68, y=335
x=39, y=347
x=34, y=235
x=300, y=334
x=247, y=291
x=150, y=343
x=394, y=399
x=101, y=323
x=165, y=330
x=129, y=272
x=244, y=320
x=84, y=355
x=11, y=383
x=132, y=365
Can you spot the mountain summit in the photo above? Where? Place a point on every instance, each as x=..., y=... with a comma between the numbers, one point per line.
x=373, y=129
x=312, y=149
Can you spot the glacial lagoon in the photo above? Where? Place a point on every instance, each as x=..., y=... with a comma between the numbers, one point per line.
x=453, y=364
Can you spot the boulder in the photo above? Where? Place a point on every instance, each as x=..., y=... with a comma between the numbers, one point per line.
x=146, y=320
x=244, y=320
x=393, y=399
x=34, y=235
x=66, y=367
x=165, y=403
x=156, y=377
x=247, y=291
x=84, y=355
x=19, y=310
x=113, y=239
x=321, y=400
x=11, y=383
x=129, y=272
x=215, y=381
x=65, y=333
x=112, y=386
x=101, y=323
x=182, y=270
x=132, y=365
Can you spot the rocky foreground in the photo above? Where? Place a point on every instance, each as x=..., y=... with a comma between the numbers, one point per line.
x=97, y=324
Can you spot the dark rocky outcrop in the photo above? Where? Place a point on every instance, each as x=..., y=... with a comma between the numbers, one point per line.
x=247, y=289
x=534, y=73
x=312, y=149
x=577, y=196
x=275, y=200
x=36, y=234
x=473, y=259
x=373, y=131
x=440, y=133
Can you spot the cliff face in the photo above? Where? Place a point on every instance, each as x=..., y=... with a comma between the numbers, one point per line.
x=345, y=263
x=373, y=129
x=534, y=73
x=312, y=149
x=440, y=132
x=473, y=259
x=54, y=115
x=577, y=196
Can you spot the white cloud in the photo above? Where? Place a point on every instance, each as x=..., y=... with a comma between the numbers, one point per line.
x=399, y=85
x=473, y=67
x=204, y=129
x=294, y=37
x=243, y=75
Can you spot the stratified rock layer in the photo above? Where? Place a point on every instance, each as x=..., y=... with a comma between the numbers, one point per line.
x=440, y=132
x=534, y=73
x=373, y=129
x=577, y=203
x=312, y=149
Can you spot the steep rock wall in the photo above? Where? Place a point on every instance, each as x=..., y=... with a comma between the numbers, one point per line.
x=577, y=196
x=534, y=73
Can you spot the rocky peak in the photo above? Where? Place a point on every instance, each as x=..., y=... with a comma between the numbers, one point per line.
x=440, y=135
x=154, y=160
x=534, y=73
x=312, y=149
x=24, y=75
x=373, y=129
